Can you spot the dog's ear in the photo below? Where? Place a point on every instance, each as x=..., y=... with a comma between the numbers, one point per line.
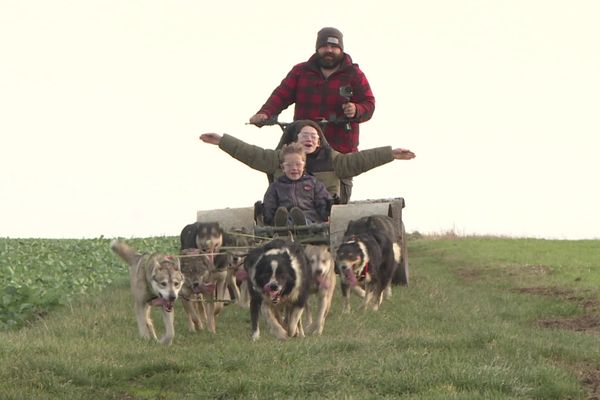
x=212, y=226
x=170, y=262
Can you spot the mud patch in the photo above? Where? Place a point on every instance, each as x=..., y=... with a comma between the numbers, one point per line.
x=584, y=299
x=591, y=381
x=528, y=271
x=587, y=300
x=537, y=269
x=469, y=275
x=582, y=323
x=589, y=376
x=510, y=272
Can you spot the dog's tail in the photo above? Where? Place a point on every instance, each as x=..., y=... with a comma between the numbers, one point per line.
x=126, y=252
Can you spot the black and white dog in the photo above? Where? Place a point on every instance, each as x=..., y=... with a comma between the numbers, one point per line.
x=279, y=279
x=368, y=259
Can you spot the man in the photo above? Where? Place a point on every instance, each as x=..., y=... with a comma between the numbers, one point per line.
x=330, y=87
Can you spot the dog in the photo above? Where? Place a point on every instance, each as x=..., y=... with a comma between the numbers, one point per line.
x=388, y=226
x=279, y=279
x=237, y=244
x=156, y=280
x=206, y=236
x=323, y=284
x=198, y=291
x=368, y=258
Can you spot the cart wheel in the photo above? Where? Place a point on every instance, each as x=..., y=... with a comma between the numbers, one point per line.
x=404, y=257
x=395, y=212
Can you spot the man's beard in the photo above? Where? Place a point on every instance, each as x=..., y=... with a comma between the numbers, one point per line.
x=330, y=60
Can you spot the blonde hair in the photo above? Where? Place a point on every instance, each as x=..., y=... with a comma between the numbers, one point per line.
x=292, y=148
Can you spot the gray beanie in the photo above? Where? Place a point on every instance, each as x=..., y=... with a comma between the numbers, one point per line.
x=330, y=36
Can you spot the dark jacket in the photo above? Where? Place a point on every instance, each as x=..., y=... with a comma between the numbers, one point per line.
x=326, y=164
x=307, y=193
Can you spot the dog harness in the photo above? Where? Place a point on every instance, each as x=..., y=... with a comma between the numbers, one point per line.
x=361, y=275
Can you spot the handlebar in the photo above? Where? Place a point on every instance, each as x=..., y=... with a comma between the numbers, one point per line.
x=283, y=125
x=270, y=122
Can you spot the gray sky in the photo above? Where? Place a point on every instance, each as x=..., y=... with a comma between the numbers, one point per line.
x=102, y=103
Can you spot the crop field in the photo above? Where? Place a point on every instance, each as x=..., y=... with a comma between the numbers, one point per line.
x=38, y=275
x=482, y=318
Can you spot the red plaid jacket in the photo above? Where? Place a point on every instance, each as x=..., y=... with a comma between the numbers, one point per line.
x=317, y=98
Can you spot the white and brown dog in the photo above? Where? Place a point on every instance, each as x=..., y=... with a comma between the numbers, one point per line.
x=323, y=284
x=279, y=279
x=156, y=280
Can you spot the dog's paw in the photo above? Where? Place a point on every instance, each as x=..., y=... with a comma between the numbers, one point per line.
x=166, y=340
x=280, y=334
x=310, y=328
x=387, y=294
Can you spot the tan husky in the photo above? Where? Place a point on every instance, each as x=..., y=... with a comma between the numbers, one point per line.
x=156, y=280
x=198, y=291
x=321, y=262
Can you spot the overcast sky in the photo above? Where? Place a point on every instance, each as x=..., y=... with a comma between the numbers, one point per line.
x=102, y=103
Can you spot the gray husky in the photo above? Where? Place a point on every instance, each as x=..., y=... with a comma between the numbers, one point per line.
x=156, y=280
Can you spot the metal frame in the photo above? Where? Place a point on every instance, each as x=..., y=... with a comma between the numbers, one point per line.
x=329, y=233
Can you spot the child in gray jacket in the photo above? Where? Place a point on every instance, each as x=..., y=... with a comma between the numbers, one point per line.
x=295, y=197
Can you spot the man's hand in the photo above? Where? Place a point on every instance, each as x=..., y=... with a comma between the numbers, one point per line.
x=211, y=138
x=403, y=154
x=349, y=110
x=259, y=118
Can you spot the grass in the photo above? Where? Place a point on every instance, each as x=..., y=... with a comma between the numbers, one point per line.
x=467, y=327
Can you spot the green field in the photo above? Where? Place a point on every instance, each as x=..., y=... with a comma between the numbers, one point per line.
x=483, y=318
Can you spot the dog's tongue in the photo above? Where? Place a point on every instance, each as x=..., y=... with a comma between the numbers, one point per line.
x=350, y=277
x=322, y=282
x=241, y=275
x=207, y=288
x=267, y=288
x=275, y=294
x=159, y=301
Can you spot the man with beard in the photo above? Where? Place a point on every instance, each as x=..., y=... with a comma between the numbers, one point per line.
x=330, y=87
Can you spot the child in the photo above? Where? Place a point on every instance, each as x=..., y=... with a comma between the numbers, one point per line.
x=295, y=197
